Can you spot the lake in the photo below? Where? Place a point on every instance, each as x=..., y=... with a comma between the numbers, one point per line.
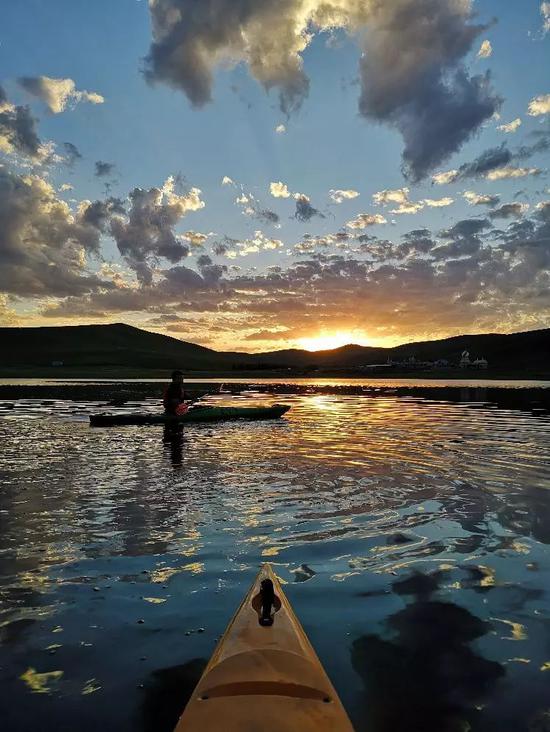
x=413, y=535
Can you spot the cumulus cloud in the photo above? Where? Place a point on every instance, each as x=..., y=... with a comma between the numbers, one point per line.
x=196, y=238
x=405, y=205
x=423, y=91
x=485, y=50
x=279, y=190
x=438, y=202
x=280, y=129
x=363, y=220
x=255, y=244
x=545, y=12
x=17, y=129
x=339, y=196
x=510, y=126
x=57, y=94
x=468, y=277
x=146, y=233
x=510, y=171
x=445, y=177
x=43, y=243
x=509, y=211
x=304, y=210
x=398, y=195
x=539, y=105
x=481, y=199
x=227, y=181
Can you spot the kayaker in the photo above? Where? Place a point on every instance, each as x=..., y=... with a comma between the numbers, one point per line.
x=174, y=395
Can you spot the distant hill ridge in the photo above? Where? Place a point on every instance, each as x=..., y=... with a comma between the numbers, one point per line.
x=126, y=346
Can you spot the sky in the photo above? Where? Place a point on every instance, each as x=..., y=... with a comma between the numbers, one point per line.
x=262, y=174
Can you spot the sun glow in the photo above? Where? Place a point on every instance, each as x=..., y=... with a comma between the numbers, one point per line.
x=327, y=341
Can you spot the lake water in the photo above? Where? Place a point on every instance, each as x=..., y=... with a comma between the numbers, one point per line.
x=413, y=536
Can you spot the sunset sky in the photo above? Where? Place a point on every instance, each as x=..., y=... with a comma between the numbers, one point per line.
x=258, y=174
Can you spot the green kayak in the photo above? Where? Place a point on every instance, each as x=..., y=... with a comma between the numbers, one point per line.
x=198, y=414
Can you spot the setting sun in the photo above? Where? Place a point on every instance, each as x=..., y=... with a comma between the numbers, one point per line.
x=327, y=341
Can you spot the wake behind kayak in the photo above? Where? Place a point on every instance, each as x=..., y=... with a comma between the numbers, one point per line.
x=198, y=414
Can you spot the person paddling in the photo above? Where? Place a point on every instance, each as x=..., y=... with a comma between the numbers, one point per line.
x=174, y=396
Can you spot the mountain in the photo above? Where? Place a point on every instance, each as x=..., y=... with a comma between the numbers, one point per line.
x=121, y=346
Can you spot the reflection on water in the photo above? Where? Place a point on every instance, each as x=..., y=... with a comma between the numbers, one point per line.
x=414, y=537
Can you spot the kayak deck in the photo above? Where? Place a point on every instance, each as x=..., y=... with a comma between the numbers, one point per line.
x=198, y=414
x=264, y=676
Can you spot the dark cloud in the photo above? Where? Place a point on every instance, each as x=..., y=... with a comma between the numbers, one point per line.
x=465, y=228
x=304, y=209
x=266, y=216
x=103, y=169
x=422, y=89
x=495, y=157
x=17, y=129
x=42, y=243
x=72, y=152
x=190, y=37
x=507, y=211
x=146, y=232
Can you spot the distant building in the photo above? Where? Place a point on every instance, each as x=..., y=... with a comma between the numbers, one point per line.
x=57, y=363
x=480, y=363
x=441, y=363
x=465, y=360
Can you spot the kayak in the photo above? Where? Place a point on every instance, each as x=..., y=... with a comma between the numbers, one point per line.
x=264, y=675
x=197, y=414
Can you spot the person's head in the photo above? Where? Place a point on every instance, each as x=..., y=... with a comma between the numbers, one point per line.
x=177, y=377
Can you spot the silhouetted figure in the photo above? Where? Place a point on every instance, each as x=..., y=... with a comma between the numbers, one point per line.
x=174, y=395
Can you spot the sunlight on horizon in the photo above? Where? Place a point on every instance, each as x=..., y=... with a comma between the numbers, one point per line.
x=328, y=341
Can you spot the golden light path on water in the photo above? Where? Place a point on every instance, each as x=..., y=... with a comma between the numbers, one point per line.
x=404, y=528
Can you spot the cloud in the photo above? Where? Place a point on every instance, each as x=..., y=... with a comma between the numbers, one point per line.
x=423, y=91
x=545, y=12
x=17, y=129
x=255, y=244
x=509, y=211
x=485, y=50
x=446, y=177
x=43, y=243
x=102, y=169
x=227, y=181
x=280, y=129
x=339, y=196
x=509, y=171
x=362, y=221
x=405, y=205
x=196, y=238
x=65, y=187
x=399, y=195
x=438, y=202
x=279, y=190
x=539, y=105
x=481, y=199
x=146, y=233
x=510, y=126
x=470, y=277
x=57, y=94
x=304, y=210
x=72, y=153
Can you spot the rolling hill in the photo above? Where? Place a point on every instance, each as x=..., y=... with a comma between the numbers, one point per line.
x=121, y=346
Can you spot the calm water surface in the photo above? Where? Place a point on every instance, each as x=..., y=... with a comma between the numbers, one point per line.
x=413, y=536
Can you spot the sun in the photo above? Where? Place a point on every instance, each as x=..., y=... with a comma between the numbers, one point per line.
x=328, y=341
